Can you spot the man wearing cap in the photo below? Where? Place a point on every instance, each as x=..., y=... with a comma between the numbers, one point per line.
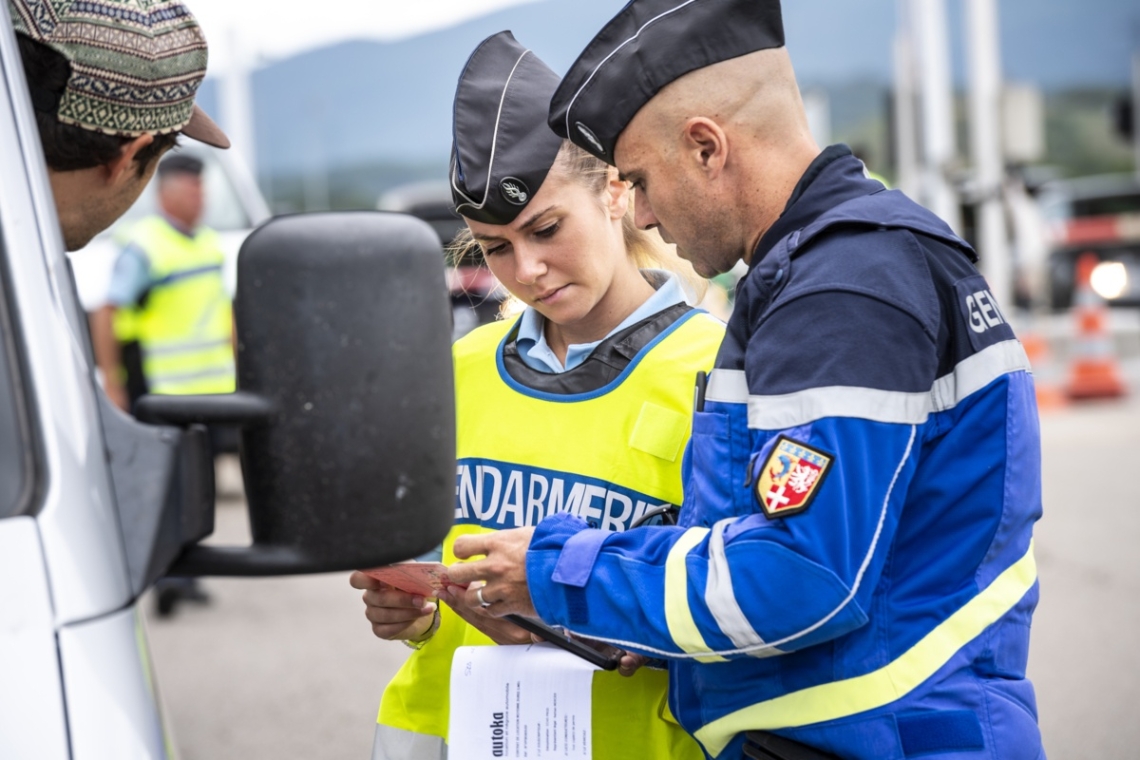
x=853, y=575
x=112, y=85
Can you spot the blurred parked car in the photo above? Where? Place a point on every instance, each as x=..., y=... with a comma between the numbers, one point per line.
x=234, y=206
x=476, y=296
x=1099, y=214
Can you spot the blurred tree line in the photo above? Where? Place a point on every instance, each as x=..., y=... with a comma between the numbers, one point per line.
x=1080, y=139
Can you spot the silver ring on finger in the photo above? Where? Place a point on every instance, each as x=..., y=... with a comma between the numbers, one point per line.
x=479, y=596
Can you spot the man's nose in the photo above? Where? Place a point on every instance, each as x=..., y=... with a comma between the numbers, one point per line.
x=643, y=215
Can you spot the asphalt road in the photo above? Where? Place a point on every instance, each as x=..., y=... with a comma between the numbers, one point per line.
x=1084, y=656
x=287, y=667
x=270, y=668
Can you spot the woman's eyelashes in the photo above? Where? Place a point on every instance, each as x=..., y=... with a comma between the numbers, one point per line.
x=547, y=232
x=544, y=234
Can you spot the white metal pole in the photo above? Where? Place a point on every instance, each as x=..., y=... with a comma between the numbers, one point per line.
x=237, y=102
x=938, y=144
x=905, y=118
x=985, y=145
x=817, y=105
x=1136, y=106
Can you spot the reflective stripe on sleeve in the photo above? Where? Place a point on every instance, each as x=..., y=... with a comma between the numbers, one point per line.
x=890, y=683
x=802, y=407
x=728, y=386
x=682, y=628
x=721, y=600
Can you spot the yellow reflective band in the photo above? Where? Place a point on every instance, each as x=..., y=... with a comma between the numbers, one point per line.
x=840, y=699
x=678, y=616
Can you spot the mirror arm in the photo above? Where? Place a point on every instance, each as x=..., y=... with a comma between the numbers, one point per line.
x=240, y=408
x=241, y=561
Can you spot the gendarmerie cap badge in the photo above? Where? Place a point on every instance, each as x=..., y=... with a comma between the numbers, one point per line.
x=514, y=191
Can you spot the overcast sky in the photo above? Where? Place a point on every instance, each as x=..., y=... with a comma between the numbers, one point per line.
x=273, y=29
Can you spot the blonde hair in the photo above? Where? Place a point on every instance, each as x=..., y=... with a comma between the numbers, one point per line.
x=645, y=247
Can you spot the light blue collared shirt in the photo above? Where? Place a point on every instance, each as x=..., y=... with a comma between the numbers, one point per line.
x=537, y=354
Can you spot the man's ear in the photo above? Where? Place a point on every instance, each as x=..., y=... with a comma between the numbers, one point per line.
x=617, y=195
x=123, y=165
x=705, y=141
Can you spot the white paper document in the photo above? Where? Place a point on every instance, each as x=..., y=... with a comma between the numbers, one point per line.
x=519, y=701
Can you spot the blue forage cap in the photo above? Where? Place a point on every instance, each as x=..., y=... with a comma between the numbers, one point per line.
x=502, y=148
x=649, y=44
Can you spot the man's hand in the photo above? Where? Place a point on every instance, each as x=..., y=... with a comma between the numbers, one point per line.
x=503, y=568
x=117, y=394
x=395, y=615
x=499, y=631
x=630, y=663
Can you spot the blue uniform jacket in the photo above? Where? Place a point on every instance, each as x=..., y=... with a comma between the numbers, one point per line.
x=854, y=565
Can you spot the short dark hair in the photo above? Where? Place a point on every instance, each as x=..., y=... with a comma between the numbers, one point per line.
x=66, y=146
x=180, y=163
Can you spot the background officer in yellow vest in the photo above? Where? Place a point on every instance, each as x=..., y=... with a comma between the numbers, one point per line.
x=581, y=404
x=168, y=280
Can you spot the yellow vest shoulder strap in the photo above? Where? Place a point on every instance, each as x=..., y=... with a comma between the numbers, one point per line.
x=167, y=250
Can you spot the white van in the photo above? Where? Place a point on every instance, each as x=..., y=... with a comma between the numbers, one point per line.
x=345, y=396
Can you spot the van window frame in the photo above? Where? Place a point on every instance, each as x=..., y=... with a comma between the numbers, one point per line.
x=18, y=449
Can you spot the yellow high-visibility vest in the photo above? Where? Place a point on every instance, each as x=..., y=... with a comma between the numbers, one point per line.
x=185, y=325
x=124, y=324
x=609, y=455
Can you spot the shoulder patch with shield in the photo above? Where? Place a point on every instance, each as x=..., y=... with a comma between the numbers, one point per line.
x=790, y=478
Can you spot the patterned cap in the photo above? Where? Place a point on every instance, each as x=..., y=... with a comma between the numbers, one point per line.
x=135, y=65
x=502, y=147
x=647, y=45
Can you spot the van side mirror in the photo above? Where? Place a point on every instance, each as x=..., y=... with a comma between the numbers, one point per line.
x=345, y=396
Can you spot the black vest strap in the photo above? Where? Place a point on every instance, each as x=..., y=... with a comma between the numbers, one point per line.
x=761, y=745
x=604, y=363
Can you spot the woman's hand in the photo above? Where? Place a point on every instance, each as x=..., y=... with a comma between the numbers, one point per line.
x=499, y=631
x=395, y=615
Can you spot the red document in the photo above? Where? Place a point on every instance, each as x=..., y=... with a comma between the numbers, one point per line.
x=424, y=578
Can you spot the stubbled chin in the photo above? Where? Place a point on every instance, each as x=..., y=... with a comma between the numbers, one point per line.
x=699, y=266
x=703, y=269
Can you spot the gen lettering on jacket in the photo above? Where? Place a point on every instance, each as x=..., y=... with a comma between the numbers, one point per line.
x=983, y=311
x=984, y=319
x=502, y=495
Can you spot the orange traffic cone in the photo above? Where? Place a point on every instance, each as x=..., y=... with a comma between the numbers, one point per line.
x=1093, y=370
x=1049, y=394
